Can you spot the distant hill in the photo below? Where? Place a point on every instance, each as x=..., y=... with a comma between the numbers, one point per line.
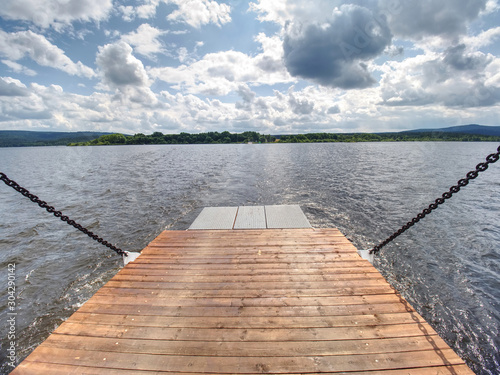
x=462, y=129
x=22, y=138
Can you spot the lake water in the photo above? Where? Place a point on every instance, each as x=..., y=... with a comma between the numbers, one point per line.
x=447, y=266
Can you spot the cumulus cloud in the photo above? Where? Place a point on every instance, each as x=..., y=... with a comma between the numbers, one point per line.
x=335, y=48
x=146, y=10
x=67, y=111
x=128, y=12
x=17, y=45
x=145, y=40
x=15, y=107
x=200, y=12
x=483, y=39
x=119, y=67
x=188, y=57
x=283, y=11
x=124, y=73
x=300, y=106
x=334, y=109
x=419, y=19
x=251, y=106
x=333, y=53
x=459, y=59
x=56, y=13
x=394, y=51
x=333, y=43
x=18, y=68
x=289, y=112
x=271, y=10
x=271, y=58
x=222, y=72
x=308, y=109
x=12, y=87
x=246, y=94
x=455, y=78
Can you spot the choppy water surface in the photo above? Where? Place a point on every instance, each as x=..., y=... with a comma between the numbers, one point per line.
x=447, y=266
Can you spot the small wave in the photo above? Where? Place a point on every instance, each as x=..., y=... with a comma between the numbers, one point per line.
x=28, y=275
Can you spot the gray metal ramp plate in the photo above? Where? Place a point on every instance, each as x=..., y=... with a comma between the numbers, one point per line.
x=286, y=217
x=250, y=217
x=215, y=218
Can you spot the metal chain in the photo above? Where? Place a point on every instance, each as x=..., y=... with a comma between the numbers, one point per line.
x=481, y=167
x=58, y=214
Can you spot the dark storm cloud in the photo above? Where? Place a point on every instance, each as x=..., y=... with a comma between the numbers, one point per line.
x=332, y=53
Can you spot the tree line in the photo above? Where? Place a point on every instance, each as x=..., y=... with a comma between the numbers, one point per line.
x=388, y=137
x=158, y=138
x=250, y=136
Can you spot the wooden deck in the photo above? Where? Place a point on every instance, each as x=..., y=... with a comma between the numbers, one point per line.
x=243, y=302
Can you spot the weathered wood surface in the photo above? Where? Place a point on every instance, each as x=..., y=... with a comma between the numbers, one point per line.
x=254, y=301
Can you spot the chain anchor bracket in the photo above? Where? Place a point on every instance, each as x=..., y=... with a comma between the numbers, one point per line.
x=129, y=256
x=367, y=255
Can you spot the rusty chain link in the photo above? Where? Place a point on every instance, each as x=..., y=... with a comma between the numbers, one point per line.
x=481, y=167
x=58, y=214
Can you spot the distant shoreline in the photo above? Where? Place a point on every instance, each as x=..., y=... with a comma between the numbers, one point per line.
x=254, y=137
x=466, y=133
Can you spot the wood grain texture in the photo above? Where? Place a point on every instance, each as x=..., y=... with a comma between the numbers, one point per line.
x=284, y=301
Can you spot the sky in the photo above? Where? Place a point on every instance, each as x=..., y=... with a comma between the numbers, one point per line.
x=271, y=66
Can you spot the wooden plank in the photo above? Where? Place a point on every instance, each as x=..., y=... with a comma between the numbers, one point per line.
x=162, y=264
x=258, y=240
x=137, y=269
x=252, y=258
x=227, y=286
x=245, y=349
x=247, y=293
x=252, y=235
x=245, y=311
x=354, y=282
x=262, y=269
x=238, y=322
x=202, y=235
x=248, y=334
x=340, y=277
x=28, y=367
x=190, y=250
x=249, y=261
x=245, y=365
x=247, y=302
x=58, y=369
x=250, y=301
